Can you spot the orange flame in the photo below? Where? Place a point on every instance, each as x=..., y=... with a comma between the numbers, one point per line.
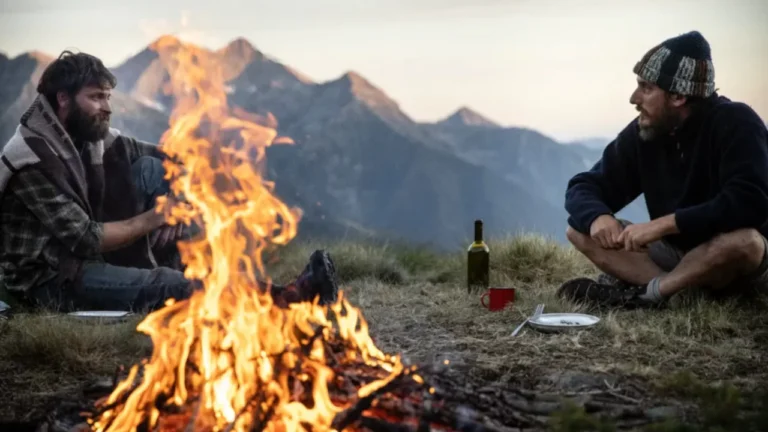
x=228, y=351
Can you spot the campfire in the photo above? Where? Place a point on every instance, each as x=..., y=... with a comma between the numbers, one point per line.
x=228, y=358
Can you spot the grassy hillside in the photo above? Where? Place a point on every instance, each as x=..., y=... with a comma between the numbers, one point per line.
x=704, y=361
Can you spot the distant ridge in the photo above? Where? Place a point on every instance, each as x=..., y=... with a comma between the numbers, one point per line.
x=466, y=116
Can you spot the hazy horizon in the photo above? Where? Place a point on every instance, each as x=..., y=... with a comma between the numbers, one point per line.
x=560, y=67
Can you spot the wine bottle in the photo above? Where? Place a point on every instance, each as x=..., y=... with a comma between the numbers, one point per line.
x=478, y=262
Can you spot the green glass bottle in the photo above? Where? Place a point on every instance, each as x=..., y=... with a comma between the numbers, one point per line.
x=478, y=262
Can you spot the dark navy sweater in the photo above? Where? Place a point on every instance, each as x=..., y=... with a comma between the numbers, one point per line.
x=712, y=173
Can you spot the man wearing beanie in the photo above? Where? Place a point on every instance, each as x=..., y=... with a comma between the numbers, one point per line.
x=701, y=161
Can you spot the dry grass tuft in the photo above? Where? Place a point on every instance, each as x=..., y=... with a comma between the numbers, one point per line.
x=45, y=356
x=534, y=260
x=70, y=346
x=416, y=304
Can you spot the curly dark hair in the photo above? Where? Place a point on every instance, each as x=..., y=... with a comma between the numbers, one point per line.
x=70, y=73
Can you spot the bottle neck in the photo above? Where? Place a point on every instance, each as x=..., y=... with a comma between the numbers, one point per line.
x=478, y=233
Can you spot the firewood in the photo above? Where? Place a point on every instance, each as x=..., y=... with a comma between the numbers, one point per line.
x=439, y=400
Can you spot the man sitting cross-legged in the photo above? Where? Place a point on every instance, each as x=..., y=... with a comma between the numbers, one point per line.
x=701, y=162
x=78, y=226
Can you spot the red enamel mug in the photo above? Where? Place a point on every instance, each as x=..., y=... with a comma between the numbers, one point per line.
x=497, y=298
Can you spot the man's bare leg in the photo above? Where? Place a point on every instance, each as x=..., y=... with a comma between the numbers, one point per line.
x=633, y=267
x=715, y=264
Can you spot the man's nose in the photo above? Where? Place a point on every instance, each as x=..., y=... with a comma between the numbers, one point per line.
x=634, y=99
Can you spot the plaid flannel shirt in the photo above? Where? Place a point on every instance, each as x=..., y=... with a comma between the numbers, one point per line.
x=36, y=219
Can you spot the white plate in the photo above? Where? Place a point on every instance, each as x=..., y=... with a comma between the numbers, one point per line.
x=563, y=321
x=100, y=315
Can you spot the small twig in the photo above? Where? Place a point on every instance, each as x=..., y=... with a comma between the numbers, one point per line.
x=121, y=400
x=116, y=376
x=532, y=394
x=348, y=416
x=191, y=425
x=377, y=425
x=330, y=354
x=267, y=415
x=426, y=417
x=616, y=410
x=526, y=420
x=633, y=423
x=306, y=348
x=544, y=408
x=258, y=394
x=625, y=398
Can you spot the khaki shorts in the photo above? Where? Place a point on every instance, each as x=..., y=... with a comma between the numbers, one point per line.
x=667, y=257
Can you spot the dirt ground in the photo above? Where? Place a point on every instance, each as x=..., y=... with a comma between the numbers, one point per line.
x=696, y=365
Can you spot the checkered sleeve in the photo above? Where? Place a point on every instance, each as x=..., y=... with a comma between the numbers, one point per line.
x=68, y=222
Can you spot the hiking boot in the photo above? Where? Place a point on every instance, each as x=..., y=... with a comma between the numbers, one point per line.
x=606, y=279
x=590, y=292
x=318, y=279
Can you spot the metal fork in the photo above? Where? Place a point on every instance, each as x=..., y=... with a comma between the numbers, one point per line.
x=537, y=312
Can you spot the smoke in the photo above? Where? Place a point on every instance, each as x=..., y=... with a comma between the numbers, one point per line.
x=466, y=419
x=154, y=28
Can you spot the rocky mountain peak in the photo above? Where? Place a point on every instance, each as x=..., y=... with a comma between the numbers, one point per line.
x=466, y=116
x=240, y=47
x=364, y=91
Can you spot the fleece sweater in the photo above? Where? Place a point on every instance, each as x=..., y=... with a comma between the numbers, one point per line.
x=711, y=173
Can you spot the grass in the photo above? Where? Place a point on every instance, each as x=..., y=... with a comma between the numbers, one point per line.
x=708, y=355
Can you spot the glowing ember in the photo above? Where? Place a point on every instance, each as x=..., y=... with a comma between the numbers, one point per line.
x=227, y=355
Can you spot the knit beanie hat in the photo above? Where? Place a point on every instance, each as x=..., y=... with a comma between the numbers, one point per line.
x=682, y=64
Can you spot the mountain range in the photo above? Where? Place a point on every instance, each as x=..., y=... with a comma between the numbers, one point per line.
x=360, y=166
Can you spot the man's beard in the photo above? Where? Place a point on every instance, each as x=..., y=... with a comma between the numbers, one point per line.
x=663, y=125
x=86, y=128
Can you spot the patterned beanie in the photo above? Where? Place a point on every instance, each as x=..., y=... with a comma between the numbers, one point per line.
x=682, y=64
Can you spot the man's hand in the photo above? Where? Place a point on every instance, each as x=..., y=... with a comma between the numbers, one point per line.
x=605, y=230
x=166, y=234
x=636, y=237
x=122, y=233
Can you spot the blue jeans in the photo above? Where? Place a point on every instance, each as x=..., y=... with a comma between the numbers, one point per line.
x=108, y=287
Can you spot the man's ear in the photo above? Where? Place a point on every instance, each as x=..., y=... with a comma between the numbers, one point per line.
x=677, y=99
x=63, y=99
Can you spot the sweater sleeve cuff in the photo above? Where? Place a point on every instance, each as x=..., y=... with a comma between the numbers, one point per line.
x=689, y=220
x=584, y=223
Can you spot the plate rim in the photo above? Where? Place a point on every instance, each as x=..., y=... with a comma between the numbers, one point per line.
x=96, y=314
x=534, y=320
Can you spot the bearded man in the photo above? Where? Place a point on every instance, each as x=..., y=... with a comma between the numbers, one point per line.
x=701, y=161
x=78, y=223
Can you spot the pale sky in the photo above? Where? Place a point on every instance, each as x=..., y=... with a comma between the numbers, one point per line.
x=563, y=67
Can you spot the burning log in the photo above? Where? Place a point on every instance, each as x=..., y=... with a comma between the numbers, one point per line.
x=439, y=400
x=415, y=399
x=350, y=375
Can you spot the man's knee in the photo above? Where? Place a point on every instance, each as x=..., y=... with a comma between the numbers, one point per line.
x=743, y=248
x=580, y=241
x=162, y=284
x=147, y=164
x=149, y=176
x=108, y=286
